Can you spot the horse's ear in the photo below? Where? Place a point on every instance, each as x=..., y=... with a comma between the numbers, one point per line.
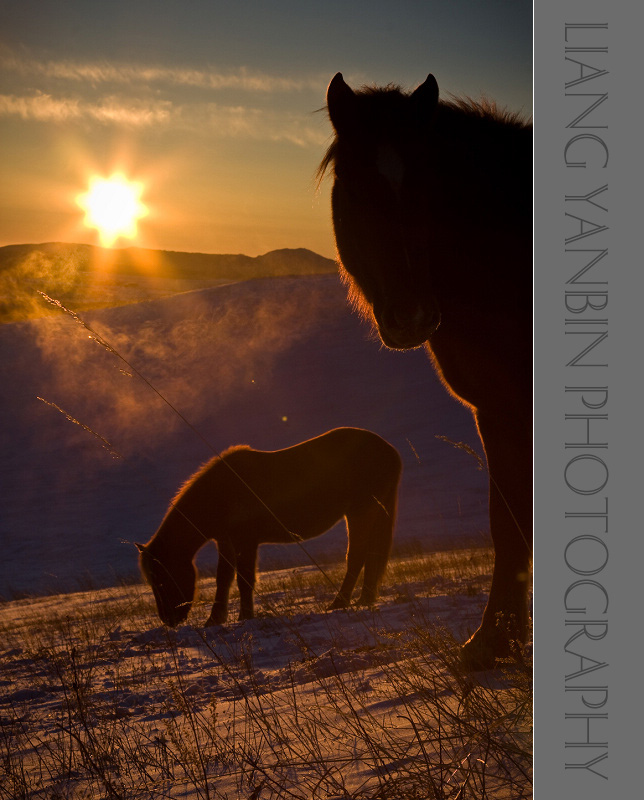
x=139, y=547
x=425, y=100
x=340, y=102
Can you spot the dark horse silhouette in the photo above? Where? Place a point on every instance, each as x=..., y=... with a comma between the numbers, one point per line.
x=246, y=497
x=432, y=213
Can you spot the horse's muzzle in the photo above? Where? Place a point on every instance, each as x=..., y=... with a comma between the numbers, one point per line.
x=406, y=331
x=172, y=616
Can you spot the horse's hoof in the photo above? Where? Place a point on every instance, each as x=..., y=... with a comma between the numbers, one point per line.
x=336, y=604
x=368, y=602
x=478, y=654
x=483, y=649
x=215, y=621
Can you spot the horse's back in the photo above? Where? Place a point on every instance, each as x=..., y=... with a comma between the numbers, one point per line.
x=308, y=487
x=337, y=453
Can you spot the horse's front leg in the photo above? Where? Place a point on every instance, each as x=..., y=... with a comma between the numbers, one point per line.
x=226, y=566
x=246, y=576
x=508, y=446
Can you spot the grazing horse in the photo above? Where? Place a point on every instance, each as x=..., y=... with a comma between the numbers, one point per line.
x=246, y=497
x=432, y=214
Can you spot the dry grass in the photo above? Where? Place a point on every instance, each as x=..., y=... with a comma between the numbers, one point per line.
x=98, y=701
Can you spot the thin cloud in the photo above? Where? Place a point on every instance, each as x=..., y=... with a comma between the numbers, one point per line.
x=145, y=96
x=251, y=123
x=241, y=79
x=45, y=108
x=40, y=107
x=211, y=118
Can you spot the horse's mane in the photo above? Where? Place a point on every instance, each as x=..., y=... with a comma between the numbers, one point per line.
x=487, y=109
x=327, y=162
x=453, y=111
x=483, y=108
x=205, y=467
x=145, y=564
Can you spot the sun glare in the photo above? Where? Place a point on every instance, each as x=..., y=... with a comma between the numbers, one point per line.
x=113, y=206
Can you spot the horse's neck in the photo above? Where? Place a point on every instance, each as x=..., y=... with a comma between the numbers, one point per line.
x=177, y=536
x=480, y=169
x=481, y=143
x=479, y=212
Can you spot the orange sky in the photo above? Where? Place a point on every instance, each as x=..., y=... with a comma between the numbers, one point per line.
x=212, y=106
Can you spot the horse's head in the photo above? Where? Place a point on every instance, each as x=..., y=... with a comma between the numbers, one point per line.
x=173, y=583
x=380, y=212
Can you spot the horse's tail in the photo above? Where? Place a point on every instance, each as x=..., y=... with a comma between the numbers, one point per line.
x=384, y=532
x=389, y=501
x=381, y=519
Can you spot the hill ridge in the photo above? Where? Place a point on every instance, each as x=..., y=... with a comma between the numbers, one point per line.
x=88, y=276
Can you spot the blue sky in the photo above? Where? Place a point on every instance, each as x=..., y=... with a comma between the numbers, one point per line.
x=212, y=105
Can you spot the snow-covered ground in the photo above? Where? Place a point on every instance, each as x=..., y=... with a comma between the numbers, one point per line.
x=99, y=701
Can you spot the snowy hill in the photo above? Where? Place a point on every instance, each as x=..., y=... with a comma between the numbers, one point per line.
x=88, y=277
x=267, y=362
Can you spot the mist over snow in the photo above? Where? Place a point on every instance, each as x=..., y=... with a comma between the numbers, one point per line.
x=267, y=362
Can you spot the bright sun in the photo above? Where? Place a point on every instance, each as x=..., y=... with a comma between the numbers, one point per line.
x=112, y=205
